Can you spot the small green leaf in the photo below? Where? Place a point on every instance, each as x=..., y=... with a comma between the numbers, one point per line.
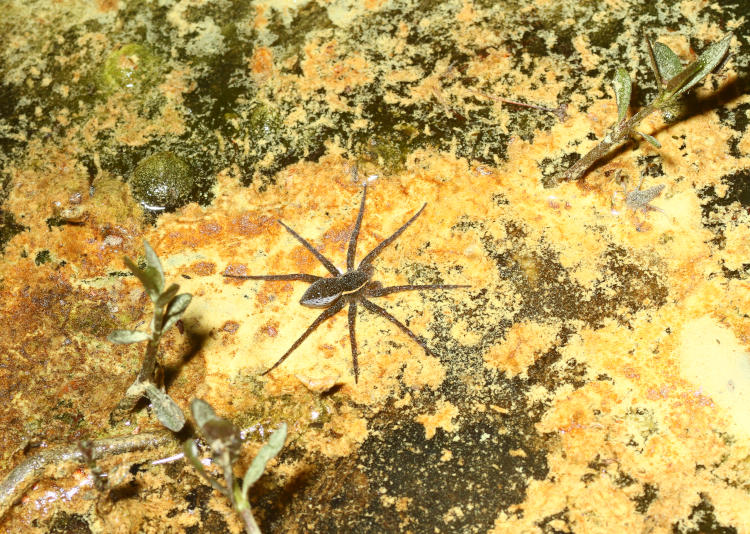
x=700, y=68
x=202, y=412
x=179, y=304
x=147, y=279
x=268, y=451
x=622, y=86
x=167, y=411
x=668, y=62
x=191, y=453
x=650, y=139
x=123, y=337
x=674, y=85
x=654, y=67
x=167, y=295
x=153, y=266
x=175, y=310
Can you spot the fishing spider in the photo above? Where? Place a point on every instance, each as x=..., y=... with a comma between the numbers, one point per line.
x=351, y=287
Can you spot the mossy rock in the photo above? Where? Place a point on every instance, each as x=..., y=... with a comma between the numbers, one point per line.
x=389, y=151
x=162, y=181
x=131, y=68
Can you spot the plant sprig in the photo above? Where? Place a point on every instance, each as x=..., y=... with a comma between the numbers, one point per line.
x=673, y=82
x=225, y=442
x=168, y=309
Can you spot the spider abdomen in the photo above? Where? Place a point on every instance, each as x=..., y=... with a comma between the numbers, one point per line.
x=325, y=291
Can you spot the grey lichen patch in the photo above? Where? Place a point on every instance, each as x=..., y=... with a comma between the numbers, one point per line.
x=162, y=181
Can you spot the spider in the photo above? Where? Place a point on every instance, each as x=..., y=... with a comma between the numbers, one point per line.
x=639, y=199
x=352, y=287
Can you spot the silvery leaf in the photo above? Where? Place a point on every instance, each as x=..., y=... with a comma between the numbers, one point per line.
x=147, y=278
x=667, y=61
x=223, y=437
x=622, y=86
x=650, y=139
x=167, y=295
x=268, y=451
x=153, y=265
x=123, y=337
x=700, y=68
x=202, y=412
x=167, y=411
x=175, y=310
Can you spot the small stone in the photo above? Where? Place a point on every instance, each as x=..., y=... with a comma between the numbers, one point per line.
x=162, y=181
x=132, y=68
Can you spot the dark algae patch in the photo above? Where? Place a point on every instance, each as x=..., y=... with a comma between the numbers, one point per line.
x=8, y=228
x=702, y=520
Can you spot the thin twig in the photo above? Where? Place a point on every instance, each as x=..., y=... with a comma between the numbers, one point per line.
x=58, y=462
x=618, y=135
x=146, y=374
x=559, y=112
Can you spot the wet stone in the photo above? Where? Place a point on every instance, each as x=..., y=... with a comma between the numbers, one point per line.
x=162, y=181
x=131, y=68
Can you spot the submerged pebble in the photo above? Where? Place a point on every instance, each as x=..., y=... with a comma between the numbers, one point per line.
x=132, y=67
x=162, y=182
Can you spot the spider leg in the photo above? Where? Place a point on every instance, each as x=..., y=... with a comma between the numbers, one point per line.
x=297, y=276
x=374, y=308
x=327, y=314
x=643, y=176
x=377, y=250
x=322, y=259
x=353, y=339
x=381, y=291
x=355, y=233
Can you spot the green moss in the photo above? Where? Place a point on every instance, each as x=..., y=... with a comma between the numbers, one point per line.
x=162, y=181
x=65, y=412
x=309, y=20
x=310, y=408
x=272, y=145
x=42, y=257
x=132, y=68
x=389, y=152
x=265, y=123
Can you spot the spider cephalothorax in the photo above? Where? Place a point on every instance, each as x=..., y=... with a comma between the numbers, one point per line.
x=351, y=287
